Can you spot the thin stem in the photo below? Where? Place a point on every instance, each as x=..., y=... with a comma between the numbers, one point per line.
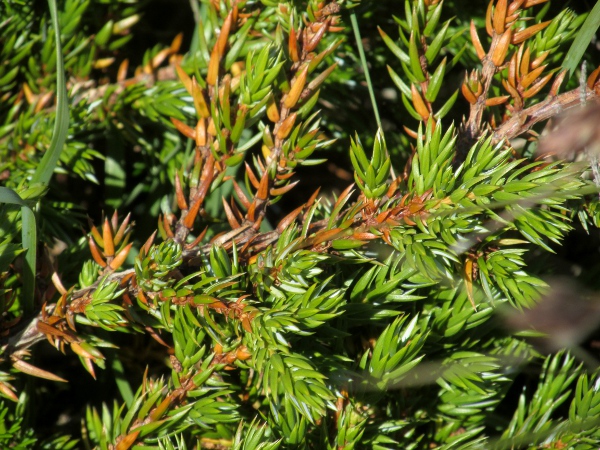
x=363, y=60
x=195, y=12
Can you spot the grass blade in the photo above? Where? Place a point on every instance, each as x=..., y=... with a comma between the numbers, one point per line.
x=121, y=381
x=363, y=60
x=43, y=173
x=61, y=125
x=29, y=240
x=582, y=40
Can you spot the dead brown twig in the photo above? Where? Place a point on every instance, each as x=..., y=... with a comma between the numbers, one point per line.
x=524, y=120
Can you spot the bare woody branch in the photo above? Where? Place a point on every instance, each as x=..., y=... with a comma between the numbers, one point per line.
x=525, y=120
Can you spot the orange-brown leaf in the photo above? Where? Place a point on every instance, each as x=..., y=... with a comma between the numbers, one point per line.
x=314, y=84
x=476, y=42
x=58, y=284
x=530, y=3
x=233, y=222
x=253, y=180
x=29, y=369
x=224, y=35
x=323, y=236
x=246, y=324
x=167, y=226
x=96, y=234
x=181, y=201
x=128, y=441
x=501, y=50
x=528, y=79
x=593, y=78
x=344, y=195
x=250, y=214
x=211, y=128
x=162, y=408
x=557, y=82
x=364, y=236
x=272, y=109
x=495, y=101
x=500, y=16
x=263, y=187
x=514, y=6
x=107, y=237
x=120, y=257
x=539, y=60
x=201, y=132
x=284, y=176
x=196, y=241
x=418, y=103
x=468, y=280
x=242, y=353
x=79, y=350
x=528, y=32
x=29, y=95
x=103, y=63
x=293, y=45
x=286, y=126
x=282, y=190
x=213, y=67
x=524, y=65
x=121, y=231
x=488, y=18
x=89, y=366
x=142, y=297
x=537, y=87
x=316, y=38
x=185, y=79
x=184, y=129
x=512, y=71
x=513, y=92
x=96, y=253
x=241, y=195
x=287, y=220
x=413, y=134
x=8, y=391
x=312, y=198
x=176, y=43
x=297, y=87
x=205, y=182
x=122, y=72
x=467, y=93
x=43, y=101
x=158, y=59
x=49, y=330
x=146, y=247
x=199, y=100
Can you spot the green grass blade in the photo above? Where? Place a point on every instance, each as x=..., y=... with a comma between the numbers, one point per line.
x=44, y=171
x=582, y=40
x=29, y=240
x=61, y=125
x=363, y=60
x=121, y=381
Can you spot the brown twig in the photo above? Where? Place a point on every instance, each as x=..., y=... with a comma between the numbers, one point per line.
x=471, y=130
x=25, y=338
x=499, y=28
x=524, y=120
x=88, y=90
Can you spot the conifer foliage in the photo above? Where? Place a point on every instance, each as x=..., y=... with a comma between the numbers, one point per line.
x=151, y=230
